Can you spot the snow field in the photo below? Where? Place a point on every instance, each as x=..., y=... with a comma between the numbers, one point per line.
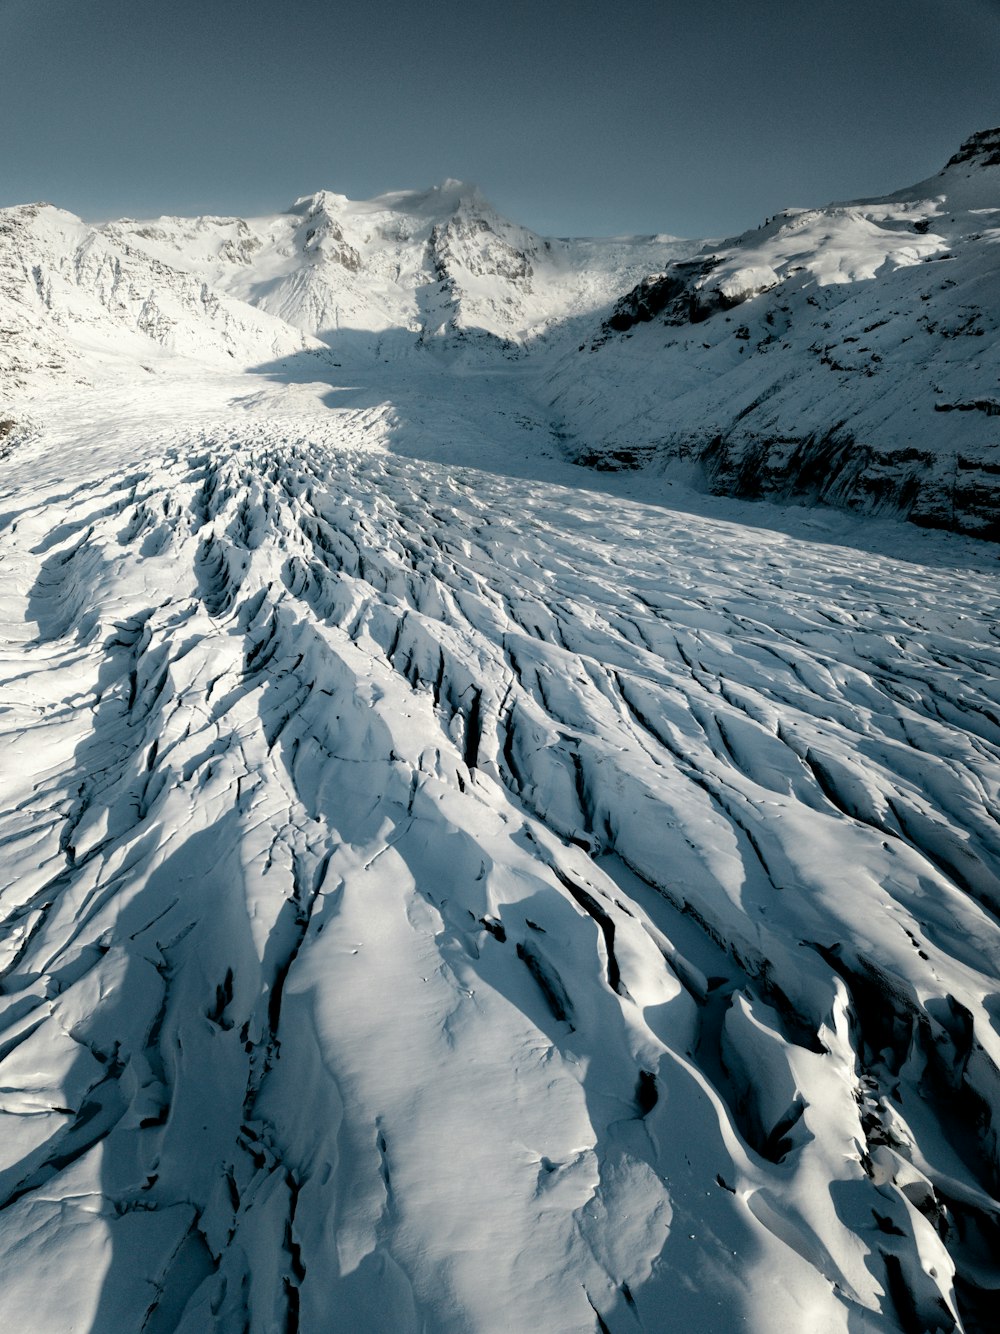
x=440, y=897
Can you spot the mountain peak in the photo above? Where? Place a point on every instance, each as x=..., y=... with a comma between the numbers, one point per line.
x=323, y=201
x=981, y=149
x=450, y=196
x=457, y=192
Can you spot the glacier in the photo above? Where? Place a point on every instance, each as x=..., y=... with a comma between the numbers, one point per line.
x=447, y=887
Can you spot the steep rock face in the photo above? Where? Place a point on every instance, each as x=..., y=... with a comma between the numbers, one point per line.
x=846, y=355
x=485, y=275
x=981, y=149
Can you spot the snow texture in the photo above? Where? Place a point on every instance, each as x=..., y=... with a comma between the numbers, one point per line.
x=848, y=355
x=445, y=889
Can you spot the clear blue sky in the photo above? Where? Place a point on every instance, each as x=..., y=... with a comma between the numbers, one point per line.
x=573, y=116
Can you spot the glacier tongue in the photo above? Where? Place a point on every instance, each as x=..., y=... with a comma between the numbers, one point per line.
x=440, y=894
x=438, y=897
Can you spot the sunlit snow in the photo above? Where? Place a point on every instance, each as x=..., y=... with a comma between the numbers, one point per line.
x=445, y=889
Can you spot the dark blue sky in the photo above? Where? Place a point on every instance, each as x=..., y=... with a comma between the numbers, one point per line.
x=573, y=116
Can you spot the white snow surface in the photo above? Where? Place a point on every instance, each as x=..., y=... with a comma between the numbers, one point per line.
x=430, y=263
x=849, y=354
x=445, y=889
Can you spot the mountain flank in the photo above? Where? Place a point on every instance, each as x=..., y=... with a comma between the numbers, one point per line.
x=845, y=356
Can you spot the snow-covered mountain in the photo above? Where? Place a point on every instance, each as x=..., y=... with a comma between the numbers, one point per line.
x=848, y=354
x=434, y=263
x=447, y=890
x=378, y=278
x=78, y=300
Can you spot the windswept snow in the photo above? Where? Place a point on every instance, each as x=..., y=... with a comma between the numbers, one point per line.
x=445, y=889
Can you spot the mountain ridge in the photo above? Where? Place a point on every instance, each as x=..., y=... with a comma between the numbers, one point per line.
x=809, y=359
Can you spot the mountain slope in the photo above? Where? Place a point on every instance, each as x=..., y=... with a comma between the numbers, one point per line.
x=74, y=302
x=433, y=263
x=845, y=355
x=849, y=355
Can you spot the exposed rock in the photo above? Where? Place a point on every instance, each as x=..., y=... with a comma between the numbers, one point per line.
x=982, y=148
x=859, y=374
